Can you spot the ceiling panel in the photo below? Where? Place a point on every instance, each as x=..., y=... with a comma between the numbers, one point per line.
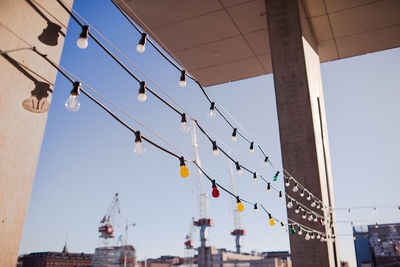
x=314, y=8
x=215, y=53
x=327, y=51
x=249, y=17
x=196, y=31
x=321, y=28
x=259, y=42
x=365, y=18
x=337, y=5
x=229, y=3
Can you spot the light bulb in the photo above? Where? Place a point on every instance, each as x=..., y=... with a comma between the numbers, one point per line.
x=280, y=195
x=300, y=232
x=312, y=236
x=142, y=92
x=82, y=42
x=310, y=217
x=265, y=161
x=375, y=210
x=142, y=42
x=295, y=188
x=287, y=182
x=290, y=204
x=251, y=148
x=256, y=211
x=271, y=221
x=276, y=176
x=297, y=210
x=313, y=204
x=255, y=179
x=318, y=236
x=304, y=216
x=292, y=231
x=283, y=227
x=184, y=171
x=139, y=149
x=302, y=193
x=315, y=219
x=211, y=112
x=376, y=225
x=234, y=138
x=182, y=80
x=215, y=148
x=215, y=192
x=349, y=210
x=268, y=187
x=318, y=205
x=238, y=169
x=307, y=237
x=184, y=127
x=309, y=196
x=72, y=104
x=240, y=206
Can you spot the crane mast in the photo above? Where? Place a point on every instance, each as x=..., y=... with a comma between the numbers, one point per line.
x=203, y=222
x=107, y=224
x=238, y=232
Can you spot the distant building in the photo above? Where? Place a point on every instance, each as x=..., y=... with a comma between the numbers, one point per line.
x=114, y=256
x=377, y=245
x=55, y=259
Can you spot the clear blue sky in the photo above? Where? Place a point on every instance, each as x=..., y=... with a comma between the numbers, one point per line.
x=86, y=156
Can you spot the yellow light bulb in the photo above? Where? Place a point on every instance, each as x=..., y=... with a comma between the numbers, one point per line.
x=240, y=206
x=271, y=222
x=184, y=171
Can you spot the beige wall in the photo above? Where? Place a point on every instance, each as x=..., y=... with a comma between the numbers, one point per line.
x=21, y=131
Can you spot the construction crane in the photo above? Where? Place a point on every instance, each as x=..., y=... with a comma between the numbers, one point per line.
x=123, y=238
x=203, y=222
x=189, y=246
x=238, y=232
x=106, y=228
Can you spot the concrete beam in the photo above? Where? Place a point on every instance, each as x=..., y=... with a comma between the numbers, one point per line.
x=302, y=123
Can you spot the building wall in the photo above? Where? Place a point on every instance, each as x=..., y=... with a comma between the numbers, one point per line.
x=21, y=131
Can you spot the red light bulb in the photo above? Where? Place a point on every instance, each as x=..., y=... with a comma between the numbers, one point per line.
x=215, y=192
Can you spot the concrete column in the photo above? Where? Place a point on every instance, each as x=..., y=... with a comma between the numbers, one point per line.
x=25, y=79
x=302, y=122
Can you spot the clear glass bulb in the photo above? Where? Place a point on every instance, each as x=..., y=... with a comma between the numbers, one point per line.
x=302, y=193
x=308, y=197
x=140, y=48
x=139, y=149
x=290, y=205
x=142, y=97
x=315, y=219
x=72, y=104
x=300, y=232
x=310, y=218
x=184, y=127
x=234, y=138
x=313, y=204
x=256, y=212
x=216, y=152
x=307, y=236
x=82, y=43
x=312, y=236
x=255, y=181
x=284, y=228
x=295, y=189
x=251, y=151
x=211, y=113
x=240, y=171
x=182, y=83
x=297, y=210
x=304, y=216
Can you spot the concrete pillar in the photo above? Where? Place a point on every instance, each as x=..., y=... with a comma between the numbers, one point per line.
x=25, y=78
x=302, y=122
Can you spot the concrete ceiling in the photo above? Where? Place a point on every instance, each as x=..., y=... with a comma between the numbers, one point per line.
x=218, y=41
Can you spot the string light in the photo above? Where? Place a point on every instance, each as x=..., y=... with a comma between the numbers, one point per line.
x=304, y=216
x=215, y=148
x=240, y=206
x=276, y=176
x=299, y=232
x=139, y=149
x=292, y=231
x=309, y=196
x=255, y=178
x=271, y=220
x=376, y=225
x=142, y=43
x=251, y=148
x=287, y=182
x=184, y=171
x=280, y=195
x=265, y=161
x=318, y=236
x=211, y=112
x=312, y=236
x=238, y=169
x=215, y=192
x=315, y=218
x=302, y=193
x=184, y=128
x=73, y=104
x=313, y=204
x=256, y=211
x=268, y=187
x=283, y=227
x=375, y=210
x=82, y=42
x=297, y=210
x=182, y=80
x=234, y=137
x=318, y=205
x=310, y=217
x=142, y=92
x=295, y=188
x=290, y=204
x=307, y=237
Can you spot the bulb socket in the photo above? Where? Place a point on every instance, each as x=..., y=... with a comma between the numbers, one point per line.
x=237, y=165
x=183, y=118
x=212, y=107
x=143, y=39
x=76, y=88
x=252, y=146
x=142, y=88
x=182, y=161
x=138, y=138
x=214, y=146
x=268, y=186
x=183, y=76
x=85, y=32
x=255, y=206
x=266, y=160
x=234, y=132
x=237, y=199
x=254, y=175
